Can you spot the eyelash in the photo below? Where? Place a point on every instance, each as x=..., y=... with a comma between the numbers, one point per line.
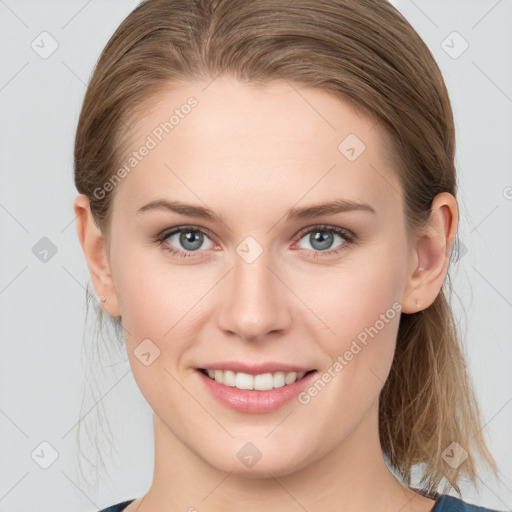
x=348, y=237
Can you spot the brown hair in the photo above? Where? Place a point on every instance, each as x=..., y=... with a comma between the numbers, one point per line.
x=366, y=53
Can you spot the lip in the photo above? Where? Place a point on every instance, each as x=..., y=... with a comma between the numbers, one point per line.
x=253, y=401
x=254, y=369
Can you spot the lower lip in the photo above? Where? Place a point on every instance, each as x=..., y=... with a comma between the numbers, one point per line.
x=253, y=401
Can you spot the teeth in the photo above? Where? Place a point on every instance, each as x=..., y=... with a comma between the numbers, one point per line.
x=278, y=379
x=261, y=382
x=229, y=378
x=290, y=377
x=243, y=381
x=219, y=376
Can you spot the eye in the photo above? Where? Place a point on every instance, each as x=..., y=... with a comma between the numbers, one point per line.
x=185, y=241
x=191, y=241
x=321, y=239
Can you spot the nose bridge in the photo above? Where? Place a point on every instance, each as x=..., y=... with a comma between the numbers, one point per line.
x=253, y=304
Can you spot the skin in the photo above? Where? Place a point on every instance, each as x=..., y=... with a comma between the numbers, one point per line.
x=249, y=153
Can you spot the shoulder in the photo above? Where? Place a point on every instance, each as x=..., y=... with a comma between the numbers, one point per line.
x=446, y=503
x=118, y=507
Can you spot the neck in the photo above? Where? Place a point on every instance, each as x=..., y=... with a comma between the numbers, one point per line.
x=353, y=477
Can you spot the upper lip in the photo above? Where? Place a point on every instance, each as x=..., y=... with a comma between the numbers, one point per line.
x=255, y=369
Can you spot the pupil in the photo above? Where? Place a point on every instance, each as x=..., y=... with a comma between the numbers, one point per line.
x=323, y=238
x=191, y=240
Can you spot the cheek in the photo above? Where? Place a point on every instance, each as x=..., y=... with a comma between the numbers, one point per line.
x=363, y=324
x=163, y=309
x=360, y=309
x=154, y=295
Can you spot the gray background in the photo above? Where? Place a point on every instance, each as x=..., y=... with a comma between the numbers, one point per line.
x=43, y=363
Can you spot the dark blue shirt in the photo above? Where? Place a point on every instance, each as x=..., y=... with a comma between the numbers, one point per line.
x=444, y=503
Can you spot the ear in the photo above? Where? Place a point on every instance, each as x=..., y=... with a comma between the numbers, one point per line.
x=431, y=255
x=93, y=245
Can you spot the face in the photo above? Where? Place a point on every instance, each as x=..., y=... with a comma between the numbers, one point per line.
x=264, y=284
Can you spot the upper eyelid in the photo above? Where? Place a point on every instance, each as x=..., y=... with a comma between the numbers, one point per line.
x=324, y=227
x=170, y=231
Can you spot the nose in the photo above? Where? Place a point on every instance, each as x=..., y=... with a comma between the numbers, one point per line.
x=254, y=303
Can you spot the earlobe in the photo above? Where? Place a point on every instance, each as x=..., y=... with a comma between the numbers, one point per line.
x=431, y=255
x=94, y=248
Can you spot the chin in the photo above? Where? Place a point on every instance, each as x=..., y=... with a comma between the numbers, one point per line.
x=269, y=461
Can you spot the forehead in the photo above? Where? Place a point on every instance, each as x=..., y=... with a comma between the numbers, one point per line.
x=271, y=143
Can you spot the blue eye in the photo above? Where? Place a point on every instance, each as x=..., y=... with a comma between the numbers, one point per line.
x=322, y=238
x=192, y=240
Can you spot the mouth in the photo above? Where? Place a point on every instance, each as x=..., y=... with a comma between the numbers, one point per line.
x=268, y=387
x=259, y=382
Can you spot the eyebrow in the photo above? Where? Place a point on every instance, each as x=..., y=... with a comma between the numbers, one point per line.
x=306, y=212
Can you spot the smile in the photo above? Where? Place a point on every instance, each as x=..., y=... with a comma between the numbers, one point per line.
x=260, y=382
x=254, y=393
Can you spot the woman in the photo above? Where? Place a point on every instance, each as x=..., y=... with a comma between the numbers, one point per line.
x=267, y=209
